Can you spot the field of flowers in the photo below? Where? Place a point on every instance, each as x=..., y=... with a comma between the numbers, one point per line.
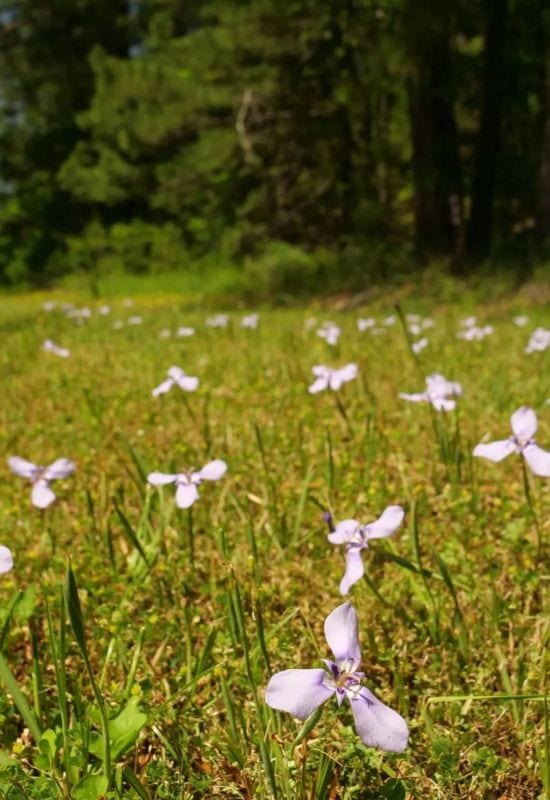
x=294, y=554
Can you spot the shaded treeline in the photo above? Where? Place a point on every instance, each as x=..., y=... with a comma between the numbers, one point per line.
x=146, y=135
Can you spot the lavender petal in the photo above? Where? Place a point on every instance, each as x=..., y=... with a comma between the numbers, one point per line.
x=378, y=725
x=298, y=691
x=341, y=632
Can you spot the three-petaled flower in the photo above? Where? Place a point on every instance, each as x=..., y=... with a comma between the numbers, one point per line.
x=250, y=321
x=327, y=378
x=187, y=482
x=176, y=377
x=41, y=495
x=6, y=559
x=52, y=347
x=538, y=341
x=524, y=425
x=356, y=538
x=438, y=390
x=301, y=691
x=330, y=332
x=217, y=321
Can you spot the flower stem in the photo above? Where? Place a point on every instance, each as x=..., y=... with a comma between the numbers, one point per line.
x=531, y=508
x=190, y=536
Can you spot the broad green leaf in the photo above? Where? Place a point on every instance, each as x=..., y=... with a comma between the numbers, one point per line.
x=123, y=731
x=92, y=787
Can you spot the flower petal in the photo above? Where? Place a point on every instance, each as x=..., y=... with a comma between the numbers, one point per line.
x=495, y=451
x=354, y=569
x=318, y=386
x=378, y=725
x=524, y=422
x=163, y=387
x=188, y=383
x=21, y=467
x=348, y=373
x=343, y=531
x=341, y=633
x=6, y=559
x=442, y=404
x=335, y=381
x=385, y=525
x=41, y=495
x=175, y=373
x=420, y=397
x=439, y=385
x=160, y=478
x=298, y=691
x=538, y=460
x=60, y=468
x=186, y=494
x=213, y=471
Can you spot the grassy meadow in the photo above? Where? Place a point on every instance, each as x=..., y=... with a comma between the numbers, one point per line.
x=137, y=639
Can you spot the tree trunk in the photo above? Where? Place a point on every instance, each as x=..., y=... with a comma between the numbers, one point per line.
x=479, y=233
x=435, y=161
x=544, y=202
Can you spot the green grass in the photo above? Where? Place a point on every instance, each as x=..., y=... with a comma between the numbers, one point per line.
x=137, y=639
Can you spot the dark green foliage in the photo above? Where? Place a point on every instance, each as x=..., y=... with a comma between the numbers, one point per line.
x=325, y=138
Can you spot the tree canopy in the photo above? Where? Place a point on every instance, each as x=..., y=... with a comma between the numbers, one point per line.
x=148, y=135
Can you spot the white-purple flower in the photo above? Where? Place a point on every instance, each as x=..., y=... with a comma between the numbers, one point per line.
x=524, y=425
x=418, y=346
x=521, y=320
x=418, y=325
x=79, y=314
x=183, y=331
x=327, y=378
x=301, y=691
x=438, y=390
x=250, y=321
x=41, y=495
x=176, y=377
x=365, y=323
x=474, y=333
x=217, y=321
x=6, y=559
x=51, y=347
x=330, y=332
x=187, y=482
x=538, y=341
x=356, y=539
x=135, y=320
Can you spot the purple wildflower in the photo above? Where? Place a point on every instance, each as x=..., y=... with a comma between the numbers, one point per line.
x=301, y=691
x=437, y=392
x=51, y=347
x=331, y=378
x=41, y=496
x=524, y=425
x=187, y=482
x=330, y=332
x=356, y=538
x=176, y=377
x=6, y=559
